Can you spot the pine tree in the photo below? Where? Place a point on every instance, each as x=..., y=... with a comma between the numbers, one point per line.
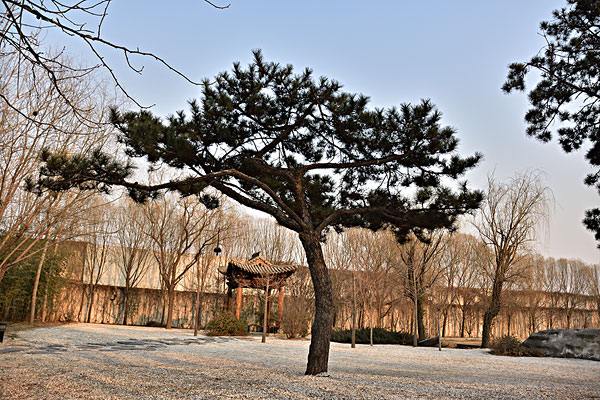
x=567, y=96
x=300, y=149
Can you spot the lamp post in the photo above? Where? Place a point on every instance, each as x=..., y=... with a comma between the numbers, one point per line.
x=200, y=286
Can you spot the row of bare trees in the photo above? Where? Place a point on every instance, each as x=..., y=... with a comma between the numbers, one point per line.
x=379, y=283
x=376, y=279
x=374, y=275
x=172, y=236
x=451, y=270
x=33, y=120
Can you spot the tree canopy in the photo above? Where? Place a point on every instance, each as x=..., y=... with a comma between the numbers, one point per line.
x=295, y=147
x=566, y=99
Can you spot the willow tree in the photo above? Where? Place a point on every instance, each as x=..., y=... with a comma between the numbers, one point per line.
x=508, y=223
x=300, y=149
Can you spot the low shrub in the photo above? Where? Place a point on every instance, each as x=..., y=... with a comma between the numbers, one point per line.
x=508, y=346
x=226, y=324
x=380, y=336
x=155, y=324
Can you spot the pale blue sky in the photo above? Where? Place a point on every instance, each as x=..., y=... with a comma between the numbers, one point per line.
x=453, y=52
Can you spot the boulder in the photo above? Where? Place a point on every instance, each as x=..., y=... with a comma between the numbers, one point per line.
x=572, y=343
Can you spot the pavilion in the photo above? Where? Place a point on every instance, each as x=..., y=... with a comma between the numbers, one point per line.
x=256, y=273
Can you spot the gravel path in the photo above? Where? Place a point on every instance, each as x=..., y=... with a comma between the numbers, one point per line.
x=85, y=361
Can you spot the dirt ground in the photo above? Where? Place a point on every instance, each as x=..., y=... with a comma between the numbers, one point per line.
x=86, y=361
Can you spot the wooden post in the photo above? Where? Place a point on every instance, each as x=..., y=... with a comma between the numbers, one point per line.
x=238, y=302
x=269, y=308
x=266, y=313
x=416, y=318
x=280, y=304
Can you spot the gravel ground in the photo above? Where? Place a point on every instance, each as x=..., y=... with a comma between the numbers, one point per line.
x=86, y=361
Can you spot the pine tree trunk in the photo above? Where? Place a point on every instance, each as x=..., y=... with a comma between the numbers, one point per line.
x=318, y=354
x=36, y=282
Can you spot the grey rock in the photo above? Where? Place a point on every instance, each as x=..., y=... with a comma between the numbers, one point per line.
x=571, y=343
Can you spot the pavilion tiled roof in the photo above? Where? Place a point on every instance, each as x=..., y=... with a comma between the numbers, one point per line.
x=260, y=266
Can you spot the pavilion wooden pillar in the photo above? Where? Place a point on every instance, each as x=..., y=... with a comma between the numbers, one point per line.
x=266, y=314
x=269, y=300
x=280, y=305
x=228, y=299
x=238, y=301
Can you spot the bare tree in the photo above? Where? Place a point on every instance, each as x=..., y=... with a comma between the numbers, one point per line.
x=551, y=285
x=180, y=231
x=507, y=223
x=298, y=312
x=264, y=235
x=533, y=290
x=24, y=22
x=225, y=224
x=97, y=255
x=421, y=270
x=343, y=280
x=133, y=248
x=573, y=282
x=458, y=276
x=371, y=255
x=595, y=287
x=26, y=217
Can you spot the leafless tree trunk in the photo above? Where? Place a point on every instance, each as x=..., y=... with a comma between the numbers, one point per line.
x=36, y=281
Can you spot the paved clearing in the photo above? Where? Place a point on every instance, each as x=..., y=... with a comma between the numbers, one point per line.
x=84, y=361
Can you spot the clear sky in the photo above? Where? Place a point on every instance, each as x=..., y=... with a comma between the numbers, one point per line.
x=453, y=52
